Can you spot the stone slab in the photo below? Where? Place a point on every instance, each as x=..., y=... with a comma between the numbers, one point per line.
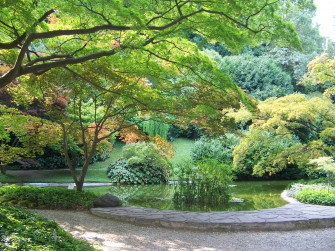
x=292, y=216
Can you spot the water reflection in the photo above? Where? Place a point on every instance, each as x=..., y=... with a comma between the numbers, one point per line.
x=256, y=195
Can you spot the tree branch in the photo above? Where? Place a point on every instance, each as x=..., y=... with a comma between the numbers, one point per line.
x=19, y=39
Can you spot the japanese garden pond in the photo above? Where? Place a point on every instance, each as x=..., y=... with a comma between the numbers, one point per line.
x=255, y=195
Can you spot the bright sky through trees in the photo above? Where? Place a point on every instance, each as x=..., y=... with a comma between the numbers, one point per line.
x=325, y=17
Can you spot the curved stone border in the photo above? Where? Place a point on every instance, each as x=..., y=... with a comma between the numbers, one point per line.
x=292, y=216
x=64, y=184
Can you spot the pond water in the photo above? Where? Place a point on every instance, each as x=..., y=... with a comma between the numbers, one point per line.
x=256, y=195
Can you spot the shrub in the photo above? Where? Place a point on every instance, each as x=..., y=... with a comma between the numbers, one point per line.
x=177, y=132
x=263, y=154
x=262, y=77
x=22, y=230
x=220, y=148
x=46, y=198
x=142, y=163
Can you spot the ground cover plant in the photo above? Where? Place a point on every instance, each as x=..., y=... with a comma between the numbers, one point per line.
x=23, y=230
x=319, y=194
x=45, y=198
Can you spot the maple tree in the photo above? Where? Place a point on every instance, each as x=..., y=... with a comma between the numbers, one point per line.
x=305, y=126
x=131, y=58
x=23, y=135
x=91, y=109
x=37, y=36
x=321, y=71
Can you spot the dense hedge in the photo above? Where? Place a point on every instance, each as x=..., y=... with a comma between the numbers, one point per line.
x=46, y=198
x=22, y=230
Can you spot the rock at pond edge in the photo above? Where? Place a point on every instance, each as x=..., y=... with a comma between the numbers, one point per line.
x=107, y=200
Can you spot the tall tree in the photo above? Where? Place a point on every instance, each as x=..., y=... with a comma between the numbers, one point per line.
x=114, y=98
x=295, y=62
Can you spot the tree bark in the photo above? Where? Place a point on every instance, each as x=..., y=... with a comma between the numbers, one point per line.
x=3, y=169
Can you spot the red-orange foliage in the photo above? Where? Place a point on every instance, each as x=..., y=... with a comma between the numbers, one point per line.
x=132, y=134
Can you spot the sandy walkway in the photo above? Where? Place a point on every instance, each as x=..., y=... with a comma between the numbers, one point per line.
x=114, y=235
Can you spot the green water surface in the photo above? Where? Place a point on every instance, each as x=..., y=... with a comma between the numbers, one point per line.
x=256, y=195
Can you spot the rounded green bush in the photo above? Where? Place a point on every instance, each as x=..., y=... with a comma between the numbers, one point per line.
x=219, y=148
x=142, y=163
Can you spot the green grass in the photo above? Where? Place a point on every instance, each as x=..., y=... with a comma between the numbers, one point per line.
x=116, y=154
x=97, y=171
x=9, y=177
x=183, y=149
x=64, y=176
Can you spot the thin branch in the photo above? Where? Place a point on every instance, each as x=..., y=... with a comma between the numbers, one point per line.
x=19, y=39
x=95, y=12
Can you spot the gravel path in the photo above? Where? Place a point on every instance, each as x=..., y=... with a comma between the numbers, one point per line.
x=113, y=235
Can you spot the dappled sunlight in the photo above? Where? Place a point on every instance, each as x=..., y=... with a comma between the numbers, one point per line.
x=113, y=235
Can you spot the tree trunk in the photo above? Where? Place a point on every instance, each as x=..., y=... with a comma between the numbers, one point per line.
x=3, y=169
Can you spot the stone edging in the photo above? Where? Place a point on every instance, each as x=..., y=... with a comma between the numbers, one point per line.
x=292, y=216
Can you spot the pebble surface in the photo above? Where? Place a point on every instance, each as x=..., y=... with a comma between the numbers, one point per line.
x=113, y=235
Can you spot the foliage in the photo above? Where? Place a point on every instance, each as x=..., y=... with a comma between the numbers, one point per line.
x=53, y=157
x=132, y=134
x=143, y=153
x=262, y=152
x=219, y=148
x=313, y=194
x=146, y=27
x=206, y=185
x=116, y=60
x=166, y=148
x=321, y=71
x=142, y=163
x=23, y=135
x=292, y=61
x=23, y=230
x=259, y=76
x=121, y=173
x=325, y=164
x=46, y=198
x=296, y=118
x=153, y=128
x=178, y=132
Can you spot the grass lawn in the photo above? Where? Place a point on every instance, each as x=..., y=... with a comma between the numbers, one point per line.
x=183, y=148
x=9, y=177
x=116, y=154
x=96, y=171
